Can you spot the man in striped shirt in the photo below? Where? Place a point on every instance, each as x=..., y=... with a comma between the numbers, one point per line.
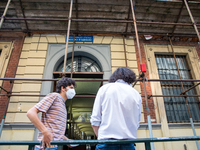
x=54, y=114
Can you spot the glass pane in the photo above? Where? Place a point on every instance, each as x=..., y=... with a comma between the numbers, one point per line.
x=80, y=64
x=176, y=109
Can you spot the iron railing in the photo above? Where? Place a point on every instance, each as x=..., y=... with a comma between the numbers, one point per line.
x=146, y=141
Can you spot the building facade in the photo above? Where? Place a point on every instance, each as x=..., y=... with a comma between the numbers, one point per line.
x=38, y=56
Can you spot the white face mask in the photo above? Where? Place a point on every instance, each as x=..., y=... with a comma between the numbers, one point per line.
x=70, y=93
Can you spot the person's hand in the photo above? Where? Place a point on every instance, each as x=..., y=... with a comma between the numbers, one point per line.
x=47, y=138
x=66, y=139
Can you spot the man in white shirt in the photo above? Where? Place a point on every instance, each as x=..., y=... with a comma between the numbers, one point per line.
x=117, y=110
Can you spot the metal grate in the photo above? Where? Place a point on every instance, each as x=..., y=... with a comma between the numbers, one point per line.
x=81, y=64
x=175, y=107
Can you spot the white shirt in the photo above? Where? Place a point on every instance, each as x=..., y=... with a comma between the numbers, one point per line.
x=117, y=111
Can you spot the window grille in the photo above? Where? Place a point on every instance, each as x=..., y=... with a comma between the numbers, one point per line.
x=175, y=107
x=81, y=64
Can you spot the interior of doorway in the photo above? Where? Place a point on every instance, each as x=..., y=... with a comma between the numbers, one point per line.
x=80, y=107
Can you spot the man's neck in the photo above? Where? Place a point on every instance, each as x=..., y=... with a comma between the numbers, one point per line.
x=63, y=94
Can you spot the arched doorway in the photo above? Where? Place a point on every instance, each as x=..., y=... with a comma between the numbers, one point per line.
x=80, y=107
x=90, y=62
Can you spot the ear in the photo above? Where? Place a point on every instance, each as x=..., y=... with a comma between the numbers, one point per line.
x=62, y=89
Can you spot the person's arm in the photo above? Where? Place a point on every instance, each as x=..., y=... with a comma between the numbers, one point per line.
x=96, y=112
x=96, y=129
x=140, y=105
x=66, y=138
x=32, y=114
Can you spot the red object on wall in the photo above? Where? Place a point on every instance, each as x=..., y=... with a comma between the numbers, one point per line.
x=143, y=67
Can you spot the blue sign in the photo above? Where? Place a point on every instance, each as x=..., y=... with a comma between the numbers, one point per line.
x=80, y=38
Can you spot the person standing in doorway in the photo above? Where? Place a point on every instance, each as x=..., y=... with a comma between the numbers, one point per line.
x=54, y=114
x=117, y=110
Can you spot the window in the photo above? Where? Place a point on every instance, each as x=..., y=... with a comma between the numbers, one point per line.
x=0, y=51
x=175, y=107
x=81, y=64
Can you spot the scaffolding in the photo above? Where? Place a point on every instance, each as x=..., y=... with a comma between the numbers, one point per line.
x=142, y=78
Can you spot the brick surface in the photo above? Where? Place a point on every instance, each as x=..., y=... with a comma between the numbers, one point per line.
x=10, y=71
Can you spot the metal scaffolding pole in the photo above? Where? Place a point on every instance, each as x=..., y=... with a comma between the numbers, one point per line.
x=192, y=19
x=4, y=13
x=191, y=120
x=36, y=95
x=68, y=32
x=142, y=75
x=72, y=56
x=151, y=80
x=125, y=52
x=102, y=20
x=189, y=89
x=136, y=32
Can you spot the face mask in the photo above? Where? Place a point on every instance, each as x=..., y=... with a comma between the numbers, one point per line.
x=70, y=93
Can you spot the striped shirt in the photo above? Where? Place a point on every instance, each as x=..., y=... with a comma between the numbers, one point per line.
x=54, y=115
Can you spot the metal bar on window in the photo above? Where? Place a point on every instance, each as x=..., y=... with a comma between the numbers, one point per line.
x=167, y=70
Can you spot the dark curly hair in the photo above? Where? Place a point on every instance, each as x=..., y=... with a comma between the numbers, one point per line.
x=64, y=82
x=123, y=73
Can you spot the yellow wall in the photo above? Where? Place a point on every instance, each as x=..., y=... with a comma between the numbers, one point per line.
x=31, y=65
x=191, y=145
x=32, y=61
x=16, y=135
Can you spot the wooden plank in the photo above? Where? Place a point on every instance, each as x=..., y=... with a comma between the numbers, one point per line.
x=64, y=14
x=3, y=5
x=10, y=13
x=165, y=10
x=151, y=29
x=83, y=27
x=105, y=2
x=166, y=4
x=81, y=7
x=164, y=18
x=10, y=25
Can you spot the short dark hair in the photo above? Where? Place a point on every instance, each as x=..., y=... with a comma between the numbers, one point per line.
x=64, y=82
x=123, y=73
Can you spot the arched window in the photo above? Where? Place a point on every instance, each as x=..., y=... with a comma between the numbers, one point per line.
x=80, y=64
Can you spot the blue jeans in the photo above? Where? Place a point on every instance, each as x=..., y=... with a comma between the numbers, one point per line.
x=51, y=148
x=115, y=147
